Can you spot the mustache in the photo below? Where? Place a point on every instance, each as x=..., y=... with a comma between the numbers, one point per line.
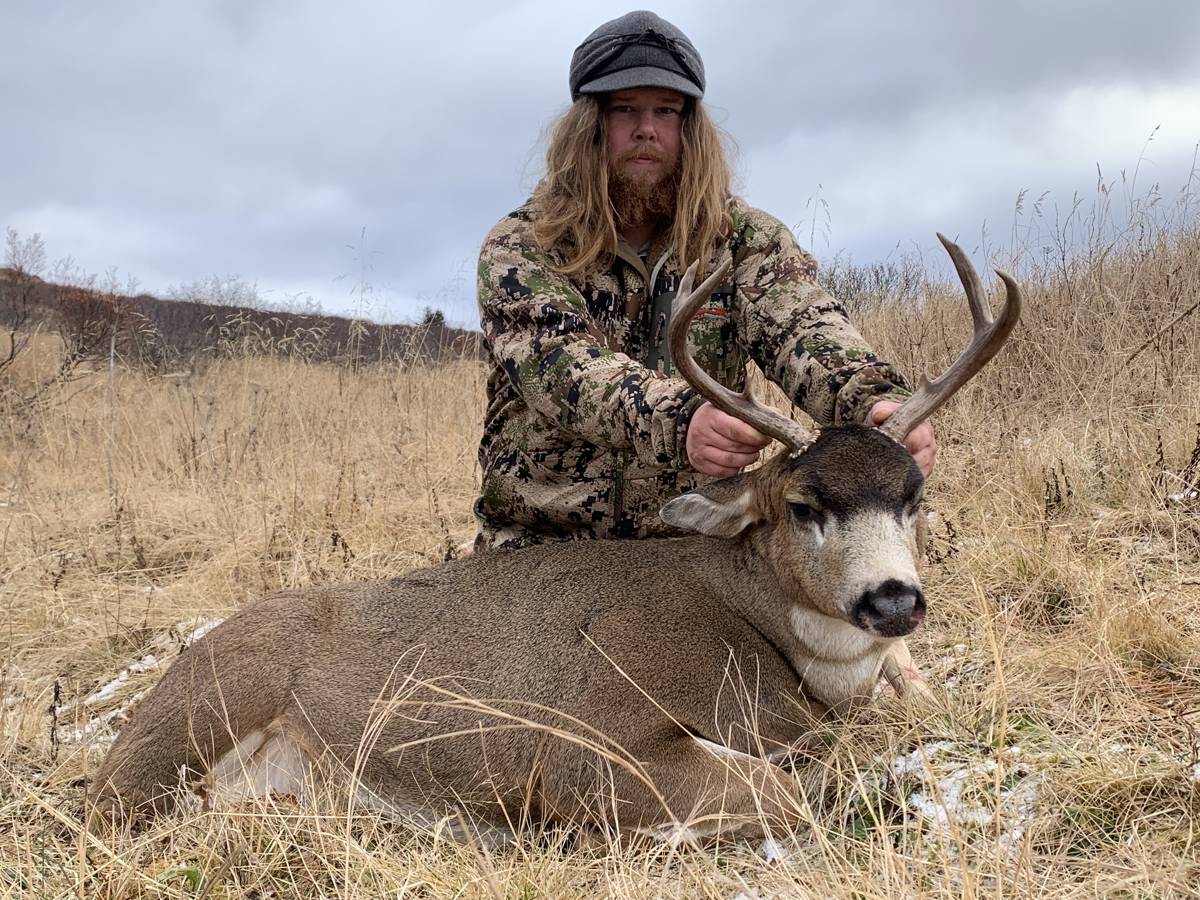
x=642, y=153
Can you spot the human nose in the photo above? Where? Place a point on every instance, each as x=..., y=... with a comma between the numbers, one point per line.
x=644, y=129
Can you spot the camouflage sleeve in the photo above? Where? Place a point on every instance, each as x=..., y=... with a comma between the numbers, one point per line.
x=537, y=327
x=800, y=335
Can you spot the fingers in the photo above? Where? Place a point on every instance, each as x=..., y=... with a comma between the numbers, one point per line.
x=720, y=445
x=925, y=460
x=920, y=442
x=738, y=435
x=880, y=411
x=721, y=463
x=920, y=438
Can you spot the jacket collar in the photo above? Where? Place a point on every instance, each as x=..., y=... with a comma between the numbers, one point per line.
x=658, y=251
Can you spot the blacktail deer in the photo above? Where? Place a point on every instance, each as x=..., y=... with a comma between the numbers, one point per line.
x=641, y=687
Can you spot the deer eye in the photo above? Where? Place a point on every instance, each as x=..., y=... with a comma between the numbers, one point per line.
x=805, y=512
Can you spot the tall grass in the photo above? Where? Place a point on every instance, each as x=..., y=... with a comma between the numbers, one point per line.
x=1061, y=756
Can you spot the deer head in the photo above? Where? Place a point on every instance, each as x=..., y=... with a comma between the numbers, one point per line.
x=836, y=518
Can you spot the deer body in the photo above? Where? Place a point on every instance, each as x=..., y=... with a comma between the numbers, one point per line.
x=653, y=644
x=636, y=685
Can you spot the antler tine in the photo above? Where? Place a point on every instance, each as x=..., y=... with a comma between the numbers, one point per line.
x=739, y=405
x=988, y=337
x=981, y=308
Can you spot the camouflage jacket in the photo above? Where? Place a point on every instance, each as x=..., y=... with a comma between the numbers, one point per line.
x=585, y=424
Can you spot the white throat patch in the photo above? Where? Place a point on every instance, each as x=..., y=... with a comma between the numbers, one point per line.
x=838, y=661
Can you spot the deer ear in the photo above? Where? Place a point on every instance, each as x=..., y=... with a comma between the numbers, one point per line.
x=724, y=508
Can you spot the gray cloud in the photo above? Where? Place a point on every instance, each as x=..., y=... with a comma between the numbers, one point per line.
x=177, y=141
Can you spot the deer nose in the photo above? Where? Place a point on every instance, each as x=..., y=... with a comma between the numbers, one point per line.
x=890, y=609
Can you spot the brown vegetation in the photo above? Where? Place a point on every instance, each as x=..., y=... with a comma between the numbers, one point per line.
x=1060, y=757
x=95, y=316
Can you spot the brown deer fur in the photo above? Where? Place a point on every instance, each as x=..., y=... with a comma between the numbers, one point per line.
x=640, y=647
x=637, y=686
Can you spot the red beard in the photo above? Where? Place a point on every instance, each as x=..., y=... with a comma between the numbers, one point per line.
x=638, y=198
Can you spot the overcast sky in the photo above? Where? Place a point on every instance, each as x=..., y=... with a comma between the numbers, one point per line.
x=177, y=141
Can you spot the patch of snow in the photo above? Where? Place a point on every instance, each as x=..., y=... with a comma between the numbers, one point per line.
x=918, y=760
x=183, y=634
x=774, y=852
x=188, y=631
x=108, y=690
x=145, y=664
x=949, y=808
x=98, y=733
x=198, y=628
x=1196, y=773
x=955, y=793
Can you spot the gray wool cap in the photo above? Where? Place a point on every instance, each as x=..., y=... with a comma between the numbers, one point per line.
x=639, y=49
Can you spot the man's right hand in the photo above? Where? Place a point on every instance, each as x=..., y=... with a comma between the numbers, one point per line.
x=720, y=445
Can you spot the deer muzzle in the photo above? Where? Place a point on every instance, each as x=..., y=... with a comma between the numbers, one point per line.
x=890, y=609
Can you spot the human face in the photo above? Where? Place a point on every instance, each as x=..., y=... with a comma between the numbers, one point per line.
x=645, y=127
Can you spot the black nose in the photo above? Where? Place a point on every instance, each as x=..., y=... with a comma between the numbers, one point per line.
x=890, y=609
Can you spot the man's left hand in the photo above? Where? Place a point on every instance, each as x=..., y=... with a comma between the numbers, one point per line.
x=920, y=442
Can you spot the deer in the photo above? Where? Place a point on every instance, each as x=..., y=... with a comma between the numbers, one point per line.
x=648, y=689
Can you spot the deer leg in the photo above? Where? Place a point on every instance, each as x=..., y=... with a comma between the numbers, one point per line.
x=902, y=676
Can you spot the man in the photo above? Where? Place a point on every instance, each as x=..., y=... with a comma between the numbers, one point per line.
x=587, y=432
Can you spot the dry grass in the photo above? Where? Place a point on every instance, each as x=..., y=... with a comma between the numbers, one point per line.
x=1061, y=757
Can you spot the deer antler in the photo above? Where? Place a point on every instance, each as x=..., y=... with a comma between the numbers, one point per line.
x=989, y=336
x=739, y=405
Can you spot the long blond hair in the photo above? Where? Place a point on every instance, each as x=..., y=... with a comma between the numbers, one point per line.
x=575, y=215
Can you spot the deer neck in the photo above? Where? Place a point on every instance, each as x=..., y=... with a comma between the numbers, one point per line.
x=834, y=661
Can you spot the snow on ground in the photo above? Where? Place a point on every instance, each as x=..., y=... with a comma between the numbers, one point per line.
x=99, y=720
x=954, y=788
x=147, y=663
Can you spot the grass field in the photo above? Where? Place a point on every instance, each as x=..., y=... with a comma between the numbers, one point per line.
x=1060, y=756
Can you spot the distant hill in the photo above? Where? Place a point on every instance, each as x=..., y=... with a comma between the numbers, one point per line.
x=159, y=331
